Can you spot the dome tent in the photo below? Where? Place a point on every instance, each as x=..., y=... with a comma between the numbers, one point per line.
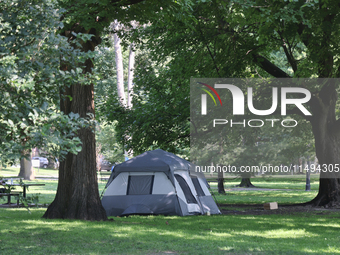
x=157, y=182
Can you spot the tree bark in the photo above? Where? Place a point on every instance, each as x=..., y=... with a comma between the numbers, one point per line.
x=26, y=168
x=245, y=182
x=326, y=131
x=119, y=64
x=130, y=74
x=77, y=193
x=328, y=195
x=220, y=183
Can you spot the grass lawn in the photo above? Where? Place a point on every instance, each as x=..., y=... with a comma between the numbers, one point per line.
x=281, y=190
x=314, y=232
x=41, y=172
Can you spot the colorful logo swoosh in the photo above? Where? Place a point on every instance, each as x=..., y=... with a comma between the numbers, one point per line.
x=213, y=90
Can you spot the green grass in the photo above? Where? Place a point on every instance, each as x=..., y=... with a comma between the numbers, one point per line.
x=41, y=172
x=315, y=232
x=293, y=182
x=260, y=197
x=49, y=178
x=291, y=191
x=301, y=233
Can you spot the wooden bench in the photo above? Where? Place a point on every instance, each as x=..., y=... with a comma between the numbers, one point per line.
x=10, y=195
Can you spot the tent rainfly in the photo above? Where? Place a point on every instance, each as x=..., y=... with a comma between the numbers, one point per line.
x=157, y=182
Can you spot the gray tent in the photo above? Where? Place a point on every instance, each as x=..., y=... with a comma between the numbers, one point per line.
x=157, y=182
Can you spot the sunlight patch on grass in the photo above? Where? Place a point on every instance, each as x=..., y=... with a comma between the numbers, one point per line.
x=327, y=250
x=225, y=248
x=223, y=235
x=279, y=233
x=329, y=225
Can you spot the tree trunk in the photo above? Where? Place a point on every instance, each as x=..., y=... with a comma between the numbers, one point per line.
x=119, y=64
x=130, y=74
x=245, y=182
x=326, y=131
x=98, y=157
x=77, y=193
x=220, y=183
x=327, y=151
x=328, y=195
x=26, y=168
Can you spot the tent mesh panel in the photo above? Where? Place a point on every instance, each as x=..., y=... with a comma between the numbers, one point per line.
x=198, y=187
x=186, y=190
x=140, y=185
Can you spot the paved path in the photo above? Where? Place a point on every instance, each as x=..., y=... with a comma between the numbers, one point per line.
x=254, y=189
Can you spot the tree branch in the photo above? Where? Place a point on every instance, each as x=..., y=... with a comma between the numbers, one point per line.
x=125, y=2
x=269, y=67
x=289, y=54
x=210, y=53
x=304, y=38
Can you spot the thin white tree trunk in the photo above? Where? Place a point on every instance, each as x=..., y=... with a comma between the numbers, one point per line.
x=119, y=64
x=130, y=74
x=26, y=168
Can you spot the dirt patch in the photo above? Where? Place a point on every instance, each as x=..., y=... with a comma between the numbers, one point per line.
x=237, y=209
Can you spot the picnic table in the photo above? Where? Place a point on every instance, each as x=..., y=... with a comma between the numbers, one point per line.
x=9, y=195
x=25, y=186
x=13, y=193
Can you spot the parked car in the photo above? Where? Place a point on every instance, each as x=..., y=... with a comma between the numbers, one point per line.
x=43, y=161
x=106, y=165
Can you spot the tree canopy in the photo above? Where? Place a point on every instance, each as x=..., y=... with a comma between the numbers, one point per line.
x=241, y=38
x=31, y=80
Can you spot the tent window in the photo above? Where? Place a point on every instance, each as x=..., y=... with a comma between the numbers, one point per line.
x=140, y=184
x=198, y=187
x=186, y=189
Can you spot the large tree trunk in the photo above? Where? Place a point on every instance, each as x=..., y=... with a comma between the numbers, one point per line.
x=326, y=131
x=246, y=183
x=77, y=194
x=328, y=153
x=26, y=168
x=328, y=193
